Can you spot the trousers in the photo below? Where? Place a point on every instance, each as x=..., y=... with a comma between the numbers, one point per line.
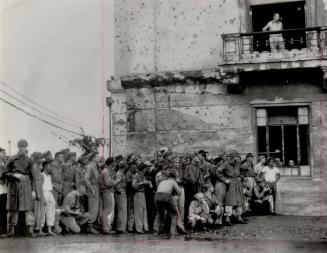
x=48, y=211
x=93, y=203
x=13, y=218
x=121, y=206
x=220, y=192
x=3, y=214
x=140, y=212
x=108, y=210
x=130, y=212
x=73, y=223
x=165, y=207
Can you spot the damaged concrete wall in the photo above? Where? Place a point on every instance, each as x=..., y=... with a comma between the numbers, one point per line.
x=160, y=35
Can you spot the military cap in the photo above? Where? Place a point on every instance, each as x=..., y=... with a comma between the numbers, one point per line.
x=233, y=153
x=147, y=163
x=199, y=196
x=65, y=151
x=110, y=160
x=203, y=152
x=249, y=155
x=22, y=143
x=36, y=155
x=133, y=159
x=57, y=154
x=1, y=149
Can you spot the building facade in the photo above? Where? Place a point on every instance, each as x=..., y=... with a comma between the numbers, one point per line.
x=193, y=75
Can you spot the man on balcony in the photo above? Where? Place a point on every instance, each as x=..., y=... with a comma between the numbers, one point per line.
x=276, y=40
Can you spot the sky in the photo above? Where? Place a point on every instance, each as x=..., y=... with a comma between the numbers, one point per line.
x=59, y=54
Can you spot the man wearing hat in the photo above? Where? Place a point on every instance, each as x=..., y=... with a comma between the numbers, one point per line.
x=139, y=184
x=69, y=176
x=120, y=195
x=92, y=183
x=198, y=212
x=107, y=184
x=39, y=202
x=229, y=172
x=3, y=194
x=132, y=161
x=194, y=180
x=21, y=188
x=248, y=173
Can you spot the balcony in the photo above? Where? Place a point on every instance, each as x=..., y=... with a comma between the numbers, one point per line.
x=297, y=48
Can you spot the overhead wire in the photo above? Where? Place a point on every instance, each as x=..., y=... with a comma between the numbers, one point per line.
x=46, y=121
x=35, y=103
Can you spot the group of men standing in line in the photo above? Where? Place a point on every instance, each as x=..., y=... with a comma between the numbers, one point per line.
x=124, y=195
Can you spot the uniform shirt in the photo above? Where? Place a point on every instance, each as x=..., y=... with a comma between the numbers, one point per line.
x=258, y=168
x=228, y=170
x=138, y=178
x=91, y=175
x=107, y=179
x=3, y=183
x=247, y=169
x=47, y=183
x=270, y=174
x=71, y=201
x=56, y=176
x=121, y=185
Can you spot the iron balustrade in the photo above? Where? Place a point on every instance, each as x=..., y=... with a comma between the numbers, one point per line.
x=239, y=46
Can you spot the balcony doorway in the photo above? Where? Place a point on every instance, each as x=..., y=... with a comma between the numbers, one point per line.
x=292, y=16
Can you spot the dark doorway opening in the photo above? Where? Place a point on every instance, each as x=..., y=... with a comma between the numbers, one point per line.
x=292, y=16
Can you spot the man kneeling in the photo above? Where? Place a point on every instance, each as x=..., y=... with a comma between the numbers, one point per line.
x=72, y=215
x=198, y=212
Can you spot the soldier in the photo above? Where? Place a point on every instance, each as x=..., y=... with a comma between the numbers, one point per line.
x=248, y=173
x=3, y=194
x=38, y=204
x=21, y=188
x=213, y=204
x=198, y=212
x=92, y=182
x=69, y=174
x=131, y=159
x=72, y=215
x=194, y=181
x=140, y=213
x=107, y=184
x=120, y=195
x=229, y=172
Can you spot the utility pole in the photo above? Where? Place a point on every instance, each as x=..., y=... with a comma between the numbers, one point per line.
x=109, y=102
x=9, y=147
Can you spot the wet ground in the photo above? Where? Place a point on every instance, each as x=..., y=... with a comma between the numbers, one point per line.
x=262, y=234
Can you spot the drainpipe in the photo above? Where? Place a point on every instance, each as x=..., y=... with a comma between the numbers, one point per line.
x=109, y=102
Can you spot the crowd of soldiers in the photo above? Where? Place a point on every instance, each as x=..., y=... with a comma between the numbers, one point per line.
x=167, y=194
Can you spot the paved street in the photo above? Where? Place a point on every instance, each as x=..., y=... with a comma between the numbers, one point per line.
x=263, y=234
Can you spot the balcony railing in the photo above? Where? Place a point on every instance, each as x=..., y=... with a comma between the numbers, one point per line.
x=286, y=45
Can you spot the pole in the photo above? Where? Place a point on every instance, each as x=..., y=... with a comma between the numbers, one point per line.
x=110, y=102
x=9, y=147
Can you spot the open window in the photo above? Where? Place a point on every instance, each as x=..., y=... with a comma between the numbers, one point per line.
x=292, y=15
x=283, y=133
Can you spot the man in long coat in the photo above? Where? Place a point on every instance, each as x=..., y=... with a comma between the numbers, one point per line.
x=229, y=172
x=21, y=188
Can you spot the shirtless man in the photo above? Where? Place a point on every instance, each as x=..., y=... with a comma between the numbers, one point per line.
x=276, y=40
x=164, y=202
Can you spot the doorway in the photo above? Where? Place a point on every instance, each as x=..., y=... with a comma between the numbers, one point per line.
x=292, y=16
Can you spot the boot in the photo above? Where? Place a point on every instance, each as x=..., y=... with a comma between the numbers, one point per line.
x=57, y=229
x=50, y=232
x=92, y=230
x=31, y=231
x=227, y=221
x=11, y=231
x=240, y=220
